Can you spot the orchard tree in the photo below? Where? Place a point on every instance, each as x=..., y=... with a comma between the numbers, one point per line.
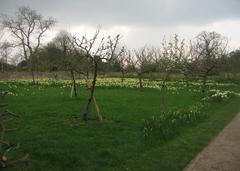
x=69, y=60
x=27, y=28
x=48, y=58
x=185, y=62
x=97, y=50
x=169, y=59
x=122, y=62
x=208, y=49
x=140, y=61
x=169, y=56
x=5, y=53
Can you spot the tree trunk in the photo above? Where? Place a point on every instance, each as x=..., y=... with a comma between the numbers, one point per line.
x=91, y=92
x=123, y=75
x=167, y=76
x=87, y=75
x=74, y=87
x=55, y=76
x=203, y=86
x=163, y=88
x=140, y=80
x=151, y=75
x=31, y=69
x=163, y=92
x=6, y=69
x=186, y=79
x=99, y=116
x=33, y=76
x=2, y=65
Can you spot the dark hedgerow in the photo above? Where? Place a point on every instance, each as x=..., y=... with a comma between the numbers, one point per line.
x=167, y=124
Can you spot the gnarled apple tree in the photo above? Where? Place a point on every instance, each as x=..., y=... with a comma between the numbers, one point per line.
x=97, y=49
x=209, y=48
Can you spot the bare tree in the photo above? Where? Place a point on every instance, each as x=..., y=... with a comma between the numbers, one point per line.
x=68, y=61
x=27, y=28
x=168, y=59
x=122, y=61
x=184, y=60
x=169, y=56
x=5, y=53
x=140, y=61
x=186, y=63
x=97, y=50
x=209, y=48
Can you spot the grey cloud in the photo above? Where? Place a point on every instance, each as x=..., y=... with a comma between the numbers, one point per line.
x=152, y=13
x=147, y=20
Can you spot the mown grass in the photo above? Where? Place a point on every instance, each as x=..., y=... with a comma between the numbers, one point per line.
x=50, y=128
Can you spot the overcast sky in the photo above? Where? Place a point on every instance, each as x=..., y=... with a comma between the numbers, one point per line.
x=140, y=22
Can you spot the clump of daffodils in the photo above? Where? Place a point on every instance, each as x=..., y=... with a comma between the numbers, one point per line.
x=166, y=124
x=218, y=95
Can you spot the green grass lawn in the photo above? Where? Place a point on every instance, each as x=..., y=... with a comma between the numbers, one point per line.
x=50, y=128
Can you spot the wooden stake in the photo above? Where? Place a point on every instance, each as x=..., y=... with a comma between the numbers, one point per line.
x=99, y=116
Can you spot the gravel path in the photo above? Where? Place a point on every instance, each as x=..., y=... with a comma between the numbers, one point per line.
x=222, y=153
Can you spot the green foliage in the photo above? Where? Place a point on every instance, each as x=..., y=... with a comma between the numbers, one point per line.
x=167, y=124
